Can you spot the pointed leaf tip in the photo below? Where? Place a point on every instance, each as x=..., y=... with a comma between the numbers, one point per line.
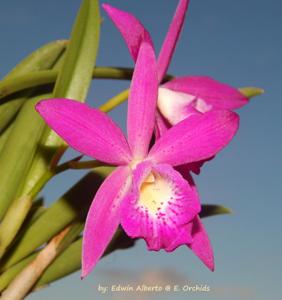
x=251, y=92
x=209, y=210
x=75, y=76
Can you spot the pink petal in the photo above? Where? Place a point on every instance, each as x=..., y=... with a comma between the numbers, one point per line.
x=196, y=138
x=194, y=167
x=171, y=38
x=131, y=29
x=201, y=245
x=161, y=125
x=86, y=129
x=142, y=102
x=103, y=218
x=185, y=172
x=159, y=206
x=218, y=95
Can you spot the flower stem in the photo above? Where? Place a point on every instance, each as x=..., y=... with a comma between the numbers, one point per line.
x=112, y=73
x=115, y=101
x=18, y=83
x=90, y=164
x=71, y=164
x=37, y=78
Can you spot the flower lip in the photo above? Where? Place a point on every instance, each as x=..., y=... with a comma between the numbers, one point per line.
x=155, y=193
x=159, y=204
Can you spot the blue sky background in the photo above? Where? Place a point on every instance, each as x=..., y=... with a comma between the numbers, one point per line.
x=237, y=42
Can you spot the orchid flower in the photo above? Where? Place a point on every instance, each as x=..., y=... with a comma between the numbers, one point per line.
x=144, y=194
x=181, y=97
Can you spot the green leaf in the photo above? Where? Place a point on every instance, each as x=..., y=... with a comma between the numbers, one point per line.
x=36, y=210
x=75, y=76
x=72, y=206
x=15, y=160
x=213, y=210
x=17, y=153
x=70, y=260
x=8, y=111
x=251, y=92
x=73, y=82
x=23, y=82
x=41, y=59
x=74, y=232
x=4, y=136
x=66, y=263
x=17, y=157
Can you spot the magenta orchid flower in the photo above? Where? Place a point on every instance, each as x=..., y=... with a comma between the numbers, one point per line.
x=181, y=97
x=184, y=96
x=144, y=194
